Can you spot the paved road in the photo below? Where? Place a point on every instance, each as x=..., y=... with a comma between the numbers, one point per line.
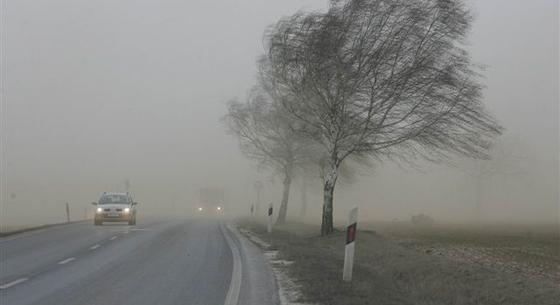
x=156, y=262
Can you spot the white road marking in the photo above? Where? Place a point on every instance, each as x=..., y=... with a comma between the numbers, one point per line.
x=66, y=261
x=10, y=284
x=232, y=297
x=126, y=232
x=95, y=247
x=139, y=229
x=113, y=238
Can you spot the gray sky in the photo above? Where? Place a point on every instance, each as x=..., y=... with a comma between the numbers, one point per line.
x=100, y=91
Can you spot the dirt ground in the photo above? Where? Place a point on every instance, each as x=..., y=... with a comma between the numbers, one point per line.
x=399, y=265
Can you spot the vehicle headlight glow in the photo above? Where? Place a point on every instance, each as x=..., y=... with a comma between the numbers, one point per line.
x=127, y=210
x=200, y=209
x=219, y=208
x=99, y=210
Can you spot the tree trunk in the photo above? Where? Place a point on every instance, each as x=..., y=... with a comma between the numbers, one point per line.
x=478, y=204
x=328, y=193
x=285, y=196
x=258, y=205
x=303, y=209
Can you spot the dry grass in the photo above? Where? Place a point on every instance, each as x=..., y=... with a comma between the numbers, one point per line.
x=531, y=252
x=386, y=272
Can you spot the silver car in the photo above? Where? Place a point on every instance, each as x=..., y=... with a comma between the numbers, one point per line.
x=115, y=207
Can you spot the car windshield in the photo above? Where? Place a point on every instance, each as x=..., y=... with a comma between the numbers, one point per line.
x=108, y=199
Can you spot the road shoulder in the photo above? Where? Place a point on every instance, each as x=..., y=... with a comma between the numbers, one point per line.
x=8, y=235
x=387, y=273
x=258, y=285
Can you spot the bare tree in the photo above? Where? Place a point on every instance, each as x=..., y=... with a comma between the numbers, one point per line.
x=506, y=160
x=379, y=78
x=303, y=208
x=258, y=185
x=348, y=173
x=265, y=134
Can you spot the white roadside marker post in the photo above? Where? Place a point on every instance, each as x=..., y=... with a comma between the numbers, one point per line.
x=350, y=244
x=269, y=228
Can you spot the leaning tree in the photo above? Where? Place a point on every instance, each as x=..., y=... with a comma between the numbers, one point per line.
x=266, y=134
x=380, y=78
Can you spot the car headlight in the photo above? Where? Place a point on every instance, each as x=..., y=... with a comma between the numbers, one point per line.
x=200, y=209
x=127, y=210
x=219, y=208
x=99, y=210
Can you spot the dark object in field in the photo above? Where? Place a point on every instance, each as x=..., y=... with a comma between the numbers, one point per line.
x=422, y=220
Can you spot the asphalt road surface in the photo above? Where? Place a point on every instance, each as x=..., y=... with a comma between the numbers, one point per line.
x=196, y=261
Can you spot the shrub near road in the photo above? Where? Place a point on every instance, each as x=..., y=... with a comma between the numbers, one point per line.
x=387, y=273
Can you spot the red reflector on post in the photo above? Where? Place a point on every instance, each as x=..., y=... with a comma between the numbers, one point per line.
x=351, y=233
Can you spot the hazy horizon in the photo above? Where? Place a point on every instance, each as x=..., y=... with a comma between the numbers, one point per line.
x=97, y=92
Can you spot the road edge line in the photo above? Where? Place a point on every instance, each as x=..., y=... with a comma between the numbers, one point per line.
x=66, y=261
x=13, y=283
x=232, y=296
x=16, y=234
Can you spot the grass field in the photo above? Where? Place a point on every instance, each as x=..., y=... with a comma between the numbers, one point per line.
x=533, y=252
x=404, y=265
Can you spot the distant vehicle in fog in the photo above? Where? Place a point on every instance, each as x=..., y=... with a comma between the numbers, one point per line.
x=115, y=207
x=210, y=201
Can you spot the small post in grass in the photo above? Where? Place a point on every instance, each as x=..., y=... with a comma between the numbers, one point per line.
x=270, y=210
x=350, y=244
x=67, y=212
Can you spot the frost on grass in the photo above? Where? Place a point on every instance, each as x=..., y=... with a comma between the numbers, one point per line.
x=261, y=243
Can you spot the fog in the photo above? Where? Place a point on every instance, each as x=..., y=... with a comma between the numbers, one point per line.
x=98, y=92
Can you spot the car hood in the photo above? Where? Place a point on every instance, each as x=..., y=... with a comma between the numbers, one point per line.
x=114, y=206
